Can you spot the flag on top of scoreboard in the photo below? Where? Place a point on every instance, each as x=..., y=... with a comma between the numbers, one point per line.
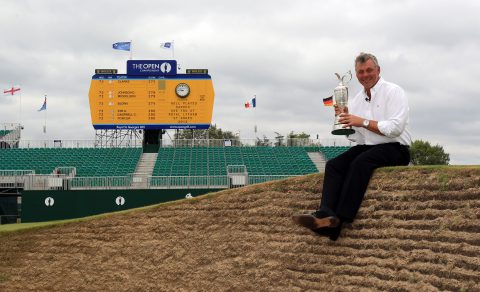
x=11, y=91
x=251, y=103
x=167, y=45
x=124, y=46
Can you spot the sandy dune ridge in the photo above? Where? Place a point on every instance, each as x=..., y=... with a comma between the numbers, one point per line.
x=418, y=230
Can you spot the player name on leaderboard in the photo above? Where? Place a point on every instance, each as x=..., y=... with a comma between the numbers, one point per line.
x=151, y=96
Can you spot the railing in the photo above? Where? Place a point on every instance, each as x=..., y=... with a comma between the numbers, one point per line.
x=44, y=182
x=177, y=143
x=108, y=182
x=66, y=170
x=237, y=176
x=236, y=169
x=193, y=182
x=63, y=182
x=255, y=179
x=14, y=179
x=9, y=126
x=284, y=142
x=15, y=172
x=29, y=144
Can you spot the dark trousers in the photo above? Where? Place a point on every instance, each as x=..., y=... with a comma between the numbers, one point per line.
x=347, y=176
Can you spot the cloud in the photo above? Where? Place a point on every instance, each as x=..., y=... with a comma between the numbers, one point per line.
x=283, y=52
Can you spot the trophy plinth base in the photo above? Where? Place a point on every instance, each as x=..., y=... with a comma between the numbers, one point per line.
x=343, y=131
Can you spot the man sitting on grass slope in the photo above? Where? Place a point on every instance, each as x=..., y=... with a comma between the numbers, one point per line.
x=379, y=115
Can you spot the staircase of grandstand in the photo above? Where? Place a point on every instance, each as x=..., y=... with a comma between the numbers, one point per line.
x=318, y=159
x=144, y=170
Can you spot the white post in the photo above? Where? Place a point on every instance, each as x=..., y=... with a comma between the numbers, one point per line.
x=254, y=115
x=131, y=49
x=45, y=115
x=20, y=121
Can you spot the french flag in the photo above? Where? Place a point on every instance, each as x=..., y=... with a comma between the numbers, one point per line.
x=251, y=103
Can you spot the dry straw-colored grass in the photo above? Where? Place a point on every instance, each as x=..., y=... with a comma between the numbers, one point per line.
x=418, y=230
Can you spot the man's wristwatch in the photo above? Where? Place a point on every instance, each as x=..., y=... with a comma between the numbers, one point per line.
x=366, y=123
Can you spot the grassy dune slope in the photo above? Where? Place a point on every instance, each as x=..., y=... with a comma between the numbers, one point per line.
x=418, y=229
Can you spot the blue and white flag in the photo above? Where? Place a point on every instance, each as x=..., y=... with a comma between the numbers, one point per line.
x=124, y=46
x=168, y=45
x=44, y=106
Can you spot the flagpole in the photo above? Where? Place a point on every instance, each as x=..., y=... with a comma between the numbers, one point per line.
x=255, y=116
x=131, y=49
x=45, y=115
x=20, y=105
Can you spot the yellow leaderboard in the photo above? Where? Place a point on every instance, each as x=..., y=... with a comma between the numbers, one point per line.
x=184, y=101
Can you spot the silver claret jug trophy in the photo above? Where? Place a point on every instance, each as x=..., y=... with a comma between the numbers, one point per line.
x=340, y=100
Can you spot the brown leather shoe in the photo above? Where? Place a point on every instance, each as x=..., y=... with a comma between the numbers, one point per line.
x=312, y=222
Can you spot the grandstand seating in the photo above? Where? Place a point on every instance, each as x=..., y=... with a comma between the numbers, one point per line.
x=4, y=132
x=88, y=161
x=200, y=161
x=171, y=161
x=328, y=151
x=332, y=151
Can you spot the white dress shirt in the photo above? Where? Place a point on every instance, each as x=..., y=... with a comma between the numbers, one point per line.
x=389, y=106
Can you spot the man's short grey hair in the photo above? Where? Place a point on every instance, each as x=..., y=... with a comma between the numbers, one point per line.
x=364, y=57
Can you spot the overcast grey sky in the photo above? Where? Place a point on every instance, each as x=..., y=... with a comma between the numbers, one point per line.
x=284, y=52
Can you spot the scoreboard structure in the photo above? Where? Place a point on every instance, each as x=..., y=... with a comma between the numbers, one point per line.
x=151, y=96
